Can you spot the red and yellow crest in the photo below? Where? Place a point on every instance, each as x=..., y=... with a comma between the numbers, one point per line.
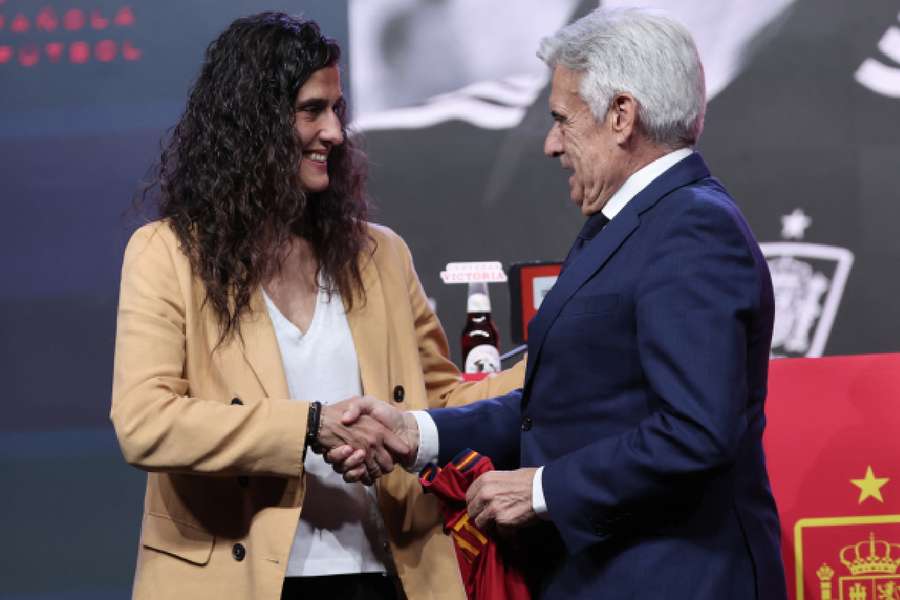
x=834, y=462
x=865, y=569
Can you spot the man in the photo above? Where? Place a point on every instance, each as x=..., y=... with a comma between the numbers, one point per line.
x=636, y=440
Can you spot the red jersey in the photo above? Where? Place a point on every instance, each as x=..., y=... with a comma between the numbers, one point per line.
x=481, y=563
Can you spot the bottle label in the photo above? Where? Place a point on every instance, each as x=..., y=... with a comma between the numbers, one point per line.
x=483, y=358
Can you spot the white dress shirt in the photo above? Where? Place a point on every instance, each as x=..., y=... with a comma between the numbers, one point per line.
x=635, y=184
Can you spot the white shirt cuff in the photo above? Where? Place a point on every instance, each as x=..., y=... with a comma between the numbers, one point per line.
x=428, y=441
x=537, y=494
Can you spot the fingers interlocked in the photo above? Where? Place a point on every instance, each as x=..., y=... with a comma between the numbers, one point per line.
x=362, y=441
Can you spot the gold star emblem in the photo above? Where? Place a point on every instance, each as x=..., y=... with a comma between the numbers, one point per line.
x=870, y=486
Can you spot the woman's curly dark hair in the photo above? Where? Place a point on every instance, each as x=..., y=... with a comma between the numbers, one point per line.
x=229, y=174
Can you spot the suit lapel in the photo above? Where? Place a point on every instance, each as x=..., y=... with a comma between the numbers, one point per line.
x=368, y=326
x=260, y=348
x=590, y=260
x=597, y=252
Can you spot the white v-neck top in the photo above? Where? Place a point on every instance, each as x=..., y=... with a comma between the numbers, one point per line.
x=340, y=529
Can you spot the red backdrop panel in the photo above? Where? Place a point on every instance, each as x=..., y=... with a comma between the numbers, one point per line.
x=834, y=459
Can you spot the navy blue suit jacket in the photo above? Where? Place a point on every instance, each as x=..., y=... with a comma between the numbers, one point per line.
x=643, y=400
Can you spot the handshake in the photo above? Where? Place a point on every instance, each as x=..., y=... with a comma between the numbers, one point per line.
x=363, y=438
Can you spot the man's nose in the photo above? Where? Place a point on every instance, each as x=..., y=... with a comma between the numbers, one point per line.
x=553, y=143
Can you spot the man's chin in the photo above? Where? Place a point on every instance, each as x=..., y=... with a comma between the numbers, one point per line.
x=576, y=197
x=578, y=201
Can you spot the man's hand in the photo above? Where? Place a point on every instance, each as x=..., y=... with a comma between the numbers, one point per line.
x=376, y=447
x=353, y=463
x=501, y=499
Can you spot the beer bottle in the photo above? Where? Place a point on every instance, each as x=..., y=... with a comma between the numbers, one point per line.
x=480, y=341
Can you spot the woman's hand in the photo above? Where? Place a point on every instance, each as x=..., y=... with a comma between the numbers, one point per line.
x=400, y=440
x=367, y=431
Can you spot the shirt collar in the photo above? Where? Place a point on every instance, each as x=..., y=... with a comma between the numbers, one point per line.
x=641, y=178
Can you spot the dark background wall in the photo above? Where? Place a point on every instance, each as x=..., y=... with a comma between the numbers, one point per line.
x=794, y=130
x=75, y=141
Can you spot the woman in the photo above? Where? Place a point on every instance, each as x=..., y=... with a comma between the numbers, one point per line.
x=260, y=292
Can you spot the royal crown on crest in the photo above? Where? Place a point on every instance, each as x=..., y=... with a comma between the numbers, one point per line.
x=872, y=556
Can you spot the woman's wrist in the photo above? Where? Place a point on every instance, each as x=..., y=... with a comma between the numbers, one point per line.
x=313, y=427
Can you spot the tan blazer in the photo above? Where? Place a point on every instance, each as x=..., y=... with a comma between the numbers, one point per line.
x=222, y=441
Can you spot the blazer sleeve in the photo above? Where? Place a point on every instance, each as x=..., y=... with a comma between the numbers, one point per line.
x=159, y=425
x=443, y=381
x=491, y=426
x=445, y=387
x=694, y=306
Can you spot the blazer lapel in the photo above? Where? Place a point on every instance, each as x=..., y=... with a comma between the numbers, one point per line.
x=597, y=252
x=590, y=260
x=368, y=326
x=260, y=348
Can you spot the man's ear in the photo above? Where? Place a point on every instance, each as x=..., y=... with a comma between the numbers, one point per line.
x=623, y=117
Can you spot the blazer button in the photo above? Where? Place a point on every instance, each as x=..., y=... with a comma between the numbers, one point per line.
x=236, y=401
x=399, y=393
x=243, y=481
x=527, y=423
x=238, y=552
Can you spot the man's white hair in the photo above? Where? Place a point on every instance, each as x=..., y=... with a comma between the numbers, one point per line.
x=640, y=52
